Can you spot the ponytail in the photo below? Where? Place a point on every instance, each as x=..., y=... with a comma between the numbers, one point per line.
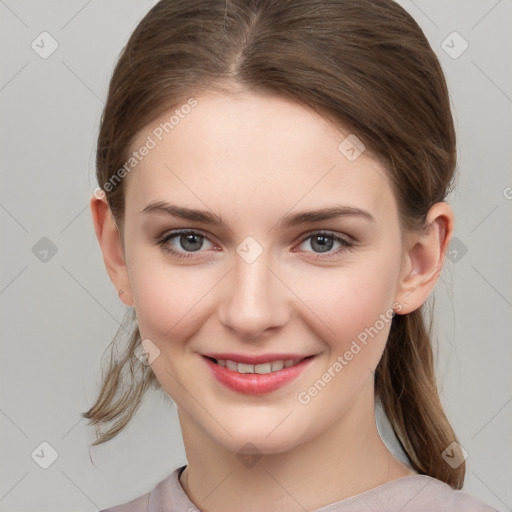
x=406, y=385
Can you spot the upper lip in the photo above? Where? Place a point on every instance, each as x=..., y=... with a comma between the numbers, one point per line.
x=260, y=359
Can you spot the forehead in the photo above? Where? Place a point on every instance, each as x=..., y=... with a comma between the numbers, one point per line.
x=253, y=152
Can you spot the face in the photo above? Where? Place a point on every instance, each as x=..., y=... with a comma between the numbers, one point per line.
x=251, y=282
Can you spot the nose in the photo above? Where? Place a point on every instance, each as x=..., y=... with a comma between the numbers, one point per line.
x=256, y=299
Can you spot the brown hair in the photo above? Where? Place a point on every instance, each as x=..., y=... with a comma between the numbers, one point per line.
x=364, y=64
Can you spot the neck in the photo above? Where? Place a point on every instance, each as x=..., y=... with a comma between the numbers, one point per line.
x=345, y=460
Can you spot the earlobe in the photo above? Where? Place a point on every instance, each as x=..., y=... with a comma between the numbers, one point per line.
x=109, y=238
x=424, y=258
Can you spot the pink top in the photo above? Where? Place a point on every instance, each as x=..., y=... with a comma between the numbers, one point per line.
x=414, y=493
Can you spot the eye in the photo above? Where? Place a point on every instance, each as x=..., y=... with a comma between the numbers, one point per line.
x=186, y=242
x=322, y=242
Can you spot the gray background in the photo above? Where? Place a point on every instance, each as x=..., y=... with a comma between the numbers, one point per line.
x=59, y=311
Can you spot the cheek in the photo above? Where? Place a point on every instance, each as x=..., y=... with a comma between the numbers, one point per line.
x=348, y=299
x=353, y=316
x=352, y=304
x=167, y=298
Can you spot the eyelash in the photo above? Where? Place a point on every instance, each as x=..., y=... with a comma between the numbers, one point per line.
x=162, y=241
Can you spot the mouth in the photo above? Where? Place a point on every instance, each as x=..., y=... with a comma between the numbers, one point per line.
x=257, y=379
x=260, y=369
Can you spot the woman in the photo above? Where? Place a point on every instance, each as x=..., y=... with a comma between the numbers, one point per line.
x=271, y=205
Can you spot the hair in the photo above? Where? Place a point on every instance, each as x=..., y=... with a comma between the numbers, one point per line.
x=365, y=65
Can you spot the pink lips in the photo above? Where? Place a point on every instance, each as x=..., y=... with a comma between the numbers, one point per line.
x=254, y=383
x=261, y=359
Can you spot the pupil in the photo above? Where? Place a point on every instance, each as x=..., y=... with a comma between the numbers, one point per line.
x=323, y=245
x=187, y=242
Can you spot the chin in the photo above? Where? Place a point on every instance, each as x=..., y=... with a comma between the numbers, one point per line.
x=247, y=441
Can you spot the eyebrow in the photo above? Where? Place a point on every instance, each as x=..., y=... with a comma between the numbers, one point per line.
x=286, y=221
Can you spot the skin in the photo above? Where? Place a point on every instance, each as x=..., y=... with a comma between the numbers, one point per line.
x=251, y=158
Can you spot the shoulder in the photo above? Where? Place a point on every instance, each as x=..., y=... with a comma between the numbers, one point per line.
x=415, y=493
x=440, y=494
x=430, y=492
x=423, y=493
x=167, y=491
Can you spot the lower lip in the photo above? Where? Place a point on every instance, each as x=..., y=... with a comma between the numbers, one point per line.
x=256, y=383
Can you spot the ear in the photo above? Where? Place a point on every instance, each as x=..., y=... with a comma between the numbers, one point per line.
x=424, y=255
x=110, y=241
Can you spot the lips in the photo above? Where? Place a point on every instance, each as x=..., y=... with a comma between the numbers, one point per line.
x=262, y=368
x=256, y=379
x=259, y=359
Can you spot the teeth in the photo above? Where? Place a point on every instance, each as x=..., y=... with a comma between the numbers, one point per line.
x=231, y=365
x=274, y=366
x=277, y=365
x=242, y=368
